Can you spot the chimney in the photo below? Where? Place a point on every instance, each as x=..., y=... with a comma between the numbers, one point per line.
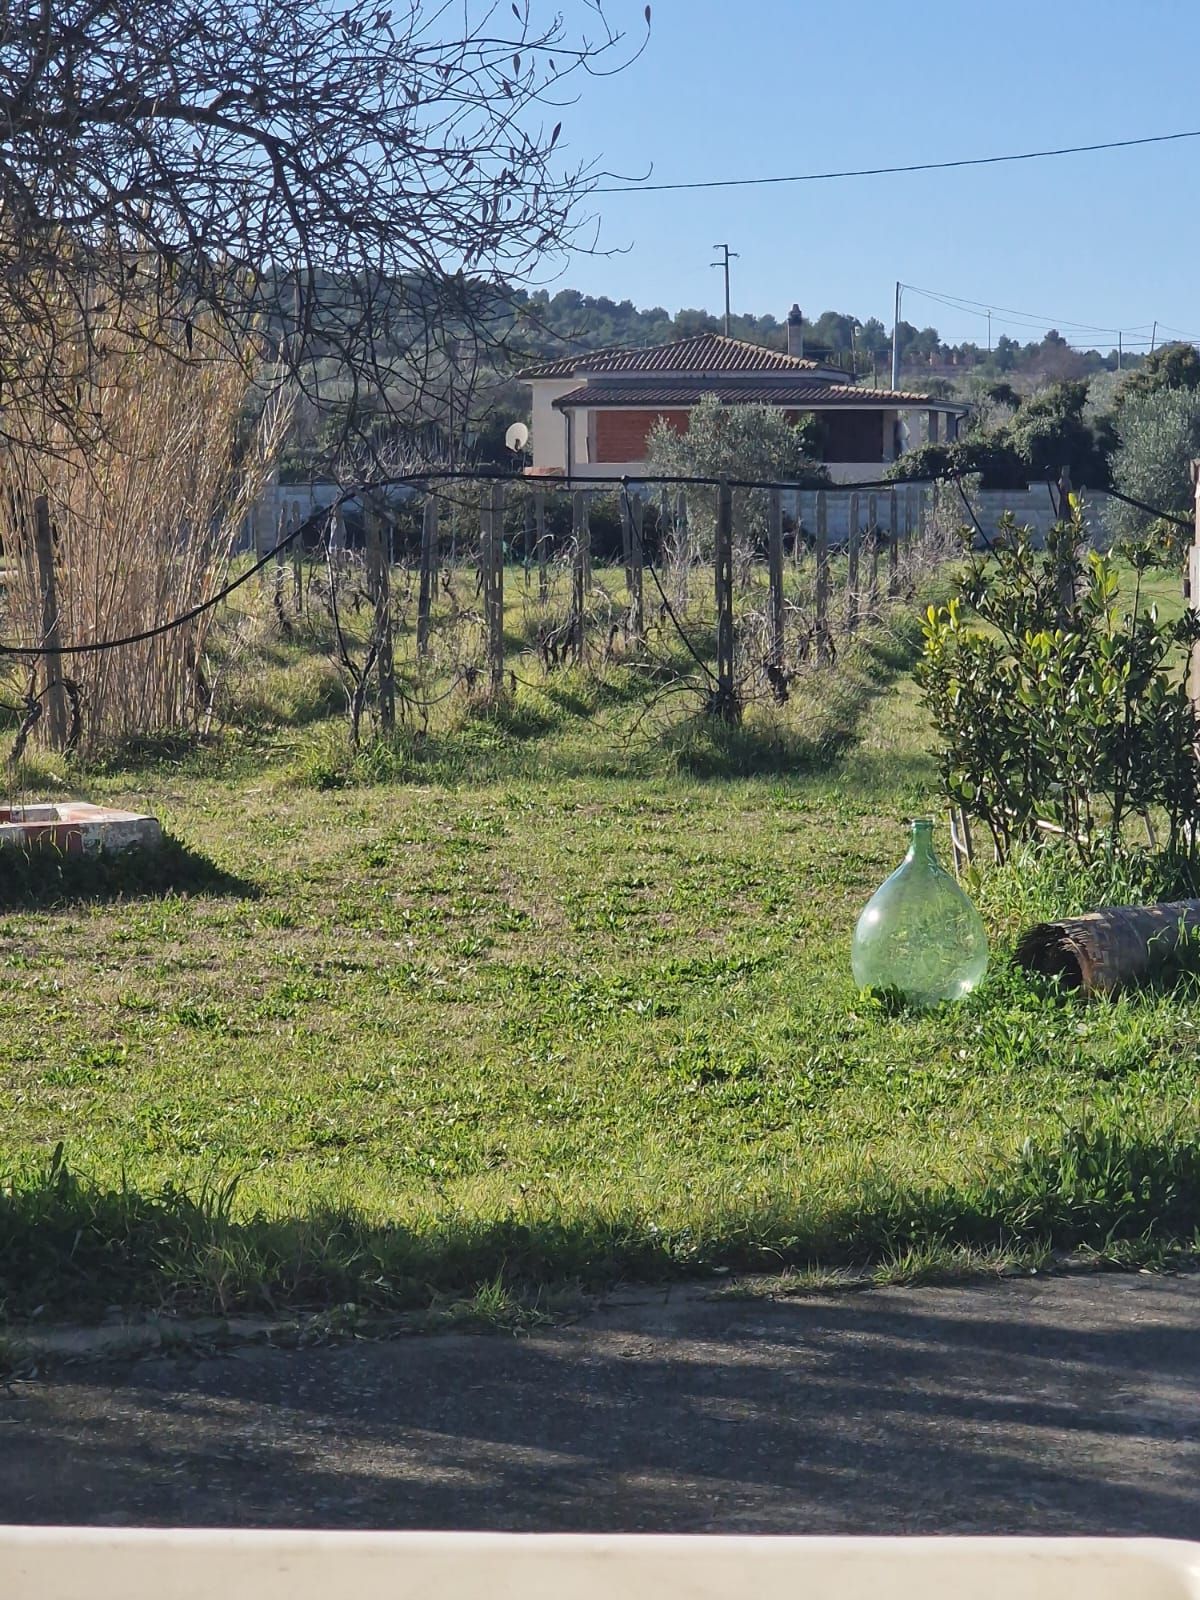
x=795, y=330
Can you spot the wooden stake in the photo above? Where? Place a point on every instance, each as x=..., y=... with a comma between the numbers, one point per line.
x=637, y=561
x=893, y=547
x=297, y=561
x=527, y=540
x=726, y=703
x=775, y=575
x=580, y=569
x=821, y=588
x=539, y=515
x=379, y=584
x=852, y=548
x=51, y=640
x=429, y=555
x=494, y=589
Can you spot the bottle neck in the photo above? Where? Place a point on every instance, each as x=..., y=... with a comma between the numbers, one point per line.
x=920, y=848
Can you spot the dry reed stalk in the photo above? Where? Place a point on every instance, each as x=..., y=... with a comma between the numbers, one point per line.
x=146, y=516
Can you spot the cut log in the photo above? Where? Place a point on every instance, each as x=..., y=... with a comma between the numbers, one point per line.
x=1113, y=948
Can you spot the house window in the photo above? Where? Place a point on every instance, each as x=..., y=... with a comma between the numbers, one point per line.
x=853, y=435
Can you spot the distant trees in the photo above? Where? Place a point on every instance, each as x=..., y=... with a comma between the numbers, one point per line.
x=1171, y=366
x=1049, y=431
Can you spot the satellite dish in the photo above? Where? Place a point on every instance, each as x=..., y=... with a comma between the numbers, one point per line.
x=517, y=437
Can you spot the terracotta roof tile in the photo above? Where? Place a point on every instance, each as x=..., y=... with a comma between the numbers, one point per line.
x=705, y=352
x=771, y=393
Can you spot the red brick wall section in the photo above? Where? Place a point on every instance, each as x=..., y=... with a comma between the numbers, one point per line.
x=622, y=435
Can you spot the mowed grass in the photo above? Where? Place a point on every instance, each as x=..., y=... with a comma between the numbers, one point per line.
x=554, y=999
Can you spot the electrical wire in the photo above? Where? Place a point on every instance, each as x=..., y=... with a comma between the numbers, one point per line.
x=981, y=308
x=881, y=172
x=1153, y=511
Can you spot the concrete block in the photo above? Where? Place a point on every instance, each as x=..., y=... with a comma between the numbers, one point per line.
x=76, y=828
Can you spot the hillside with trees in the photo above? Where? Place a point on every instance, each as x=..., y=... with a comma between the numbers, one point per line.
x=459, y=404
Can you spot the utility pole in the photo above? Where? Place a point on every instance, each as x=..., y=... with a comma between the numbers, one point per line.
x=1120, y=348
x=896, y=341
x=1153, y=335
x=989, y=333
x=730, y=255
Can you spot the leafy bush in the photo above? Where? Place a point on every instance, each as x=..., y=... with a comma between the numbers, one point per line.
x=1061, y=714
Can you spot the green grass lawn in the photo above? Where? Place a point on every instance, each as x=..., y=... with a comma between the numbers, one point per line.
x=555, y=999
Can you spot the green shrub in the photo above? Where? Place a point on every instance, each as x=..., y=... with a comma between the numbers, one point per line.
x=1062, y=713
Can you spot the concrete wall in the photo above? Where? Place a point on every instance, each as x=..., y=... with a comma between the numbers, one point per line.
x=1031, y=507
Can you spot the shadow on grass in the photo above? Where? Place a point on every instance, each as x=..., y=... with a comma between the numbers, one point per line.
x=46, y=879
x=75, y=1247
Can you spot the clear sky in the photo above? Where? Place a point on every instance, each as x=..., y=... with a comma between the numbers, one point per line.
x=732, y=88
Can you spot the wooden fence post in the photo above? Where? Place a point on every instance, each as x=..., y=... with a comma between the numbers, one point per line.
x=821, y=583
x=527, y=545
x=853, y=540
x=494, y=588
x=726, y=704
x=429, y=555
x=379, y=586
x=683, y=552
x=775, y=576
x=627, y=538
x=873, y=529
x=893, y=546
x=297, y=553
x=51, y=640
x=539, y=518
x=581, y=539
x=637, y=566
x=283, y=527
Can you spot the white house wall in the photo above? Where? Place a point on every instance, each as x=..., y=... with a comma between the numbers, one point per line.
x=547, y=428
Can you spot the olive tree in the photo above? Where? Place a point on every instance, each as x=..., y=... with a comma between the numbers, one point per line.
x=1158, y=436
x=749, y=442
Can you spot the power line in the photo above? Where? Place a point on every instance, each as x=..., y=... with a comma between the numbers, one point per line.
x=1133, y=334
x=980, y=308
x=882, y=172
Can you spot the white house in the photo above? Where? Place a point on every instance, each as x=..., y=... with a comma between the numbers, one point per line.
x=593, y=413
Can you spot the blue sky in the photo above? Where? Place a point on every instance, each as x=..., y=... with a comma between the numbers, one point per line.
x=731, y=88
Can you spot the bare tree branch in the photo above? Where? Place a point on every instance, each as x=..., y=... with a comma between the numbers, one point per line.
x=341, y=172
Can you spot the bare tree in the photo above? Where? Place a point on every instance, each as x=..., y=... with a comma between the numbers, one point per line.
x=361, y=178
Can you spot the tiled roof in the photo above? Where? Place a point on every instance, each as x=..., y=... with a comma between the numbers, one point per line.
x=705, y=352
x=822, y=396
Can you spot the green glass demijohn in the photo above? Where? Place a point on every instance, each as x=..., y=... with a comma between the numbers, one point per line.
x=919, y=933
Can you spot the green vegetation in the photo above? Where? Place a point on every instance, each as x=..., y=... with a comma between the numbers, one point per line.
x=1058, y=702
x=553, y=995
x=1046, y=433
